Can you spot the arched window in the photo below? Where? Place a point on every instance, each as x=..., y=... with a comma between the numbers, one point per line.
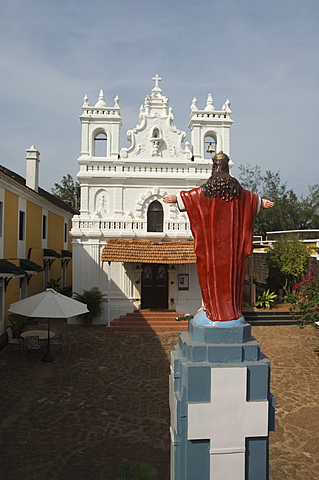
x=209, y=147
x=155, y=217
x=100, y=145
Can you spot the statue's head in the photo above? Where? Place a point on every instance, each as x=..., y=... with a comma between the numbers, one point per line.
x=221, y=184
x=220, y=163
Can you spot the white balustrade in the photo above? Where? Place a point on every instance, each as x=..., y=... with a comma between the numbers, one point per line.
x=140, y=227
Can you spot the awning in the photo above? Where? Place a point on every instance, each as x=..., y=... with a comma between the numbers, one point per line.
x=30, y=267
x=9, y=270
x=147, y=251
x=66, y=254
x=51, y=254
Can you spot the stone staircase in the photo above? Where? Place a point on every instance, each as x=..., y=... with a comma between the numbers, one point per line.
x=268, y=317
x=164, y=321
x=158, y=321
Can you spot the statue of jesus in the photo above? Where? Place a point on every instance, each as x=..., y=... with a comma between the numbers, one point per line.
x=222, y=216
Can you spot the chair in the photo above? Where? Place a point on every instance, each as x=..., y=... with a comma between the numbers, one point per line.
x=33, y=346
x=57, y=341
x=14, y=341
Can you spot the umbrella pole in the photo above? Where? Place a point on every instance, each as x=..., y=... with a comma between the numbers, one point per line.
x=48, y=357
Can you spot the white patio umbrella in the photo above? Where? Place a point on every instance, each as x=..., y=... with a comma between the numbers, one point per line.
x=48, y=304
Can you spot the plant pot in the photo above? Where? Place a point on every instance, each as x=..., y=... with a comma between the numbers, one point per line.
x=87, y=322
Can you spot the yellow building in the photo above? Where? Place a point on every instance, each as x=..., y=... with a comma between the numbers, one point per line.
x=35, y=246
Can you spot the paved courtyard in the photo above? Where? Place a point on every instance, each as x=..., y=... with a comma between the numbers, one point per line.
x=105, y=398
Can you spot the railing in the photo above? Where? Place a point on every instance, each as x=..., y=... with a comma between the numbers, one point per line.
x=126, y=169
x=100, y=111
x=127, y=225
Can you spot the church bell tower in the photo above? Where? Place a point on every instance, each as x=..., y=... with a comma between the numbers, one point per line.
x=209, y=127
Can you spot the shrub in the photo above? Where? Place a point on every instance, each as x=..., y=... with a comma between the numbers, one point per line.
x=94, y=300
x=305, y=308
x=287, y=260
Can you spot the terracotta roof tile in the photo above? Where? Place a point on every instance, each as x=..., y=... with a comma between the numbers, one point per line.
x=146, y=251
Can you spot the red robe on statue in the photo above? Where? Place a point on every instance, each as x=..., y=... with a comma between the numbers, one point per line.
x=223, y=233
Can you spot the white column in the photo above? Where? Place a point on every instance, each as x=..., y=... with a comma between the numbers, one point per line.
x=85, y=137
x=109, y=294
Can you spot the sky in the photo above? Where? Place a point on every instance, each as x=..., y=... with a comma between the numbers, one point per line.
x=263, y=56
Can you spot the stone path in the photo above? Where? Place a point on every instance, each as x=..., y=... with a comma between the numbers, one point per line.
x=105, y=398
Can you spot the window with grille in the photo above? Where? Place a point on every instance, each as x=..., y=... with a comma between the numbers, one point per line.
x=155, y=217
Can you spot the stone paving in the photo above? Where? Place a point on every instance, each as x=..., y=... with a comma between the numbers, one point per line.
x=105, y=398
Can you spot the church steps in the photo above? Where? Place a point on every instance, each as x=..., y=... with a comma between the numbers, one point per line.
x=264, y=318
x=149, y=321
x=165, y=321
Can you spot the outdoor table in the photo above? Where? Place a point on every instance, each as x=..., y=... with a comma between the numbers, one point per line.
x=42, y=334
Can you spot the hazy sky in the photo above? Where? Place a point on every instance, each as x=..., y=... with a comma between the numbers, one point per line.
x=262, y=55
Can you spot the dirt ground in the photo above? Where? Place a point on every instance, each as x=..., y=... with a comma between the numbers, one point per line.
x=105, y=398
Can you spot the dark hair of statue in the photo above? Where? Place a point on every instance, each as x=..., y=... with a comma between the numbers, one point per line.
x=221, y=184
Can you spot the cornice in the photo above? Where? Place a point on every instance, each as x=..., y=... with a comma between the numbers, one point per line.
x=11, y=185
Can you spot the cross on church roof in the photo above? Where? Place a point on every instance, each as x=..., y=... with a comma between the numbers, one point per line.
x=157, y=79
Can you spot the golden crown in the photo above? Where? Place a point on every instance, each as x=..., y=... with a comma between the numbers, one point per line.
x=221, y=156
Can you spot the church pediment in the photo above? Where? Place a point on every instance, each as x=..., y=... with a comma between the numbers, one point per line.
x=155, y=136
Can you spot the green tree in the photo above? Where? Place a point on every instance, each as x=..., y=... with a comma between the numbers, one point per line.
x=287, y=261
x=290, y=211
x=251, y=178
x=68, y=191
x=309, y=217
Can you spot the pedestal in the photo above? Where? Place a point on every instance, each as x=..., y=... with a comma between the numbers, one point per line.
x=221, y=405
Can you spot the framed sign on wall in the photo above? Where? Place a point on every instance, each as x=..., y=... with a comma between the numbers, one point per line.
x=183, y=281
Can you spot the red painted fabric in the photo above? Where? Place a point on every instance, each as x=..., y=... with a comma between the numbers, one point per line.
x=223, y=233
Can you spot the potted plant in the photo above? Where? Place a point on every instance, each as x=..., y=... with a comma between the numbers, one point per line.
x=94, y=300
x=265, y=299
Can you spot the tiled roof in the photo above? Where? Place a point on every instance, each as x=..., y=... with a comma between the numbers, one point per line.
x=146, y=251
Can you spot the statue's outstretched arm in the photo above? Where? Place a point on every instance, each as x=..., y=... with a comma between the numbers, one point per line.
x=266, y=203
x=170, y=199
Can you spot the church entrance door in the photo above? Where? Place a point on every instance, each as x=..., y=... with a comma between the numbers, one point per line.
x=154, y=286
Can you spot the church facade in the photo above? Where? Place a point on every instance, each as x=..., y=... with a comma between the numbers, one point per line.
x=135, y=248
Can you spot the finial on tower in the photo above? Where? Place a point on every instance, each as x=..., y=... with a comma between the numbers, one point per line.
x=101, y=102
x=85, y=101
x=209, y=104
x=194, y=104
x=226, y=107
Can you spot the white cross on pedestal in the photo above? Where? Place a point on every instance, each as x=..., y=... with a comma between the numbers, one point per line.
x=173, y=427
x=157, y=79
x=226, y=421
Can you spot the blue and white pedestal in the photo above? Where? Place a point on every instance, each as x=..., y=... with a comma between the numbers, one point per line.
x=221, y=405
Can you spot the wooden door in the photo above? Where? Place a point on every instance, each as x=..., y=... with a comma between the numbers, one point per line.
x=154, y=286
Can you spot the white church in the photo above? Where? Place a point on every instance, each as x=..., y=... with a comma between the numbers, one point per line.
x=126, y=241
